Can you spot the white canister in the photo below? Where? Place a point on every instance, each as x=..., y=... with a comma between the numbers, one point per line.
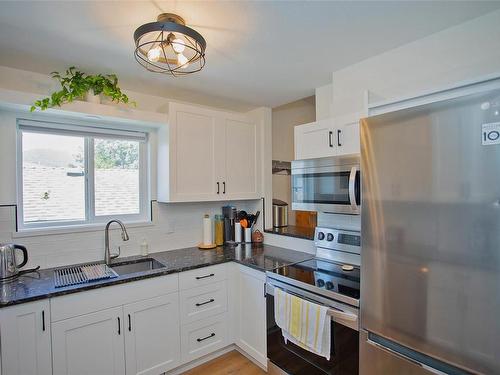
x=248, y=234
x=237, y=232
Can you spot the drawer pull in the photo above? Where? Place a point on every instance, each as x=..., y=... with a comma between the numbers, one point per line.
x=206, y=338
x=204, y=303
x=203, y=277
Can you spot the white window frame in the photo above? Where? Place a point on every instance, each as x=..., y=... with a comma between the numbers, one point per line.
x=88, y=132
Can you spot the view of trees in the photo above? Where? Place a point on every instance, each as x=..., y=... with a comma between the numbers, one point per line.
x=116, y=154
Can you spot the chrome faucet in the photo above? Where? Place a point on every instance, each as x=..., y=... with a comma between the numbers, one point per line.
x=107, y=254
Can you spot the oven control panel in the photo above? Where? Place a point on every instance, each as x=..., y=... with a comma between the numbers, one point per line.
x=337, y=239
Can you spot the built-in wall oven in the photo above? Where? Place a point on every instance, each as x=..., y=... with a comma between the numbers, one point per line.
x=329, y=184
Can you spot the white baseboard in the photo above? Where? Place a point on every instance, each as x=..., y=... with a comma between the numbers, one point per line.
x=241, y=351
x=197, y=362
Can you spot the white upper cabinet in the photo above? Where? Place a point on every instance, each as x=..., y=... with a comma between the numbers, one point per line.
x=25, y=339
x=207, y=155
x=330, y=137
x=314, y=140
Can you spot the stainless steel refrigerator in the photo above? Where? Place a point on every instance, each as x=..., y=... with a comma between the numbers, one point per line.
x=430, y=282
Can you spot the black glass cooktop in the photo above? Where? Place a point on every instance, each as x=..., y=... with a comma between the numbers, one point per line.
x=330, y=276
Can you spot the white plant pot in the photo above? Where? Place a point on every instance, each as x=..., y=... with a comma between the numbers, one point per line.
x=92, y=98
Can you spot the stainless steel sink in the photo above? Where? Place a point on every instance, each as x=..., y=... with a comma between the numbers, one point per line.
x=135, y=266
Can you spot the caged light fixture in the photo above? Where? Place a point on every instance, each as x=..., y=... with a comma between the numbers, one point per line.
x=169, y=46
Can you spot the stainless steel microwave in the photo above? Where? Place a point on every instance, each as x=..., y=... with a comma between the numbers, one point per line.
x=329, y=184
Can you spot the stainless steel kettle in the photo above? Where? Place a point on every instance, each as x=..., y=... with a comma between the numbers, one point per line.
x=9, y=267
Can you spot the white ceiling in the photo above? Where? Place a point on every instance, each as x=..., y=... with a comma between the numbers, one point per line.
x=258, y=53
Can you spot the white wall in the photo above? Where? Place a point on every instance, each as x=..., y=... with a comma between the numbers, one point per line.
x=464, y=52
x=284, y=120
x=324, y=102
x=174, y=226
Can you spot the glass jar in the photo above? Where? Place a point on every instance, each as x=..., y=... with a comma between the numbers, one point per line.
x=219, y=230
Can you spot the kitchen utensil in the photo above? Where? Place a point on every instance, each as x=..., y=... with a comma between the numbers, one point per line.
x=244, y=223
x=9, y=267
x=257, y=214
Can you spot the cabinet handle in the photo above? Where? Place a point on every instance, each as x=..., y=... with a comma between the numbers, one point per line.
x=224, y=187
x=338, y=137
x=204, y=277
x=204, y=303
x=206, y=338
x=330, y=140
x=218, y=187
x=129, y=323
x=119, y=326
x=43, y=320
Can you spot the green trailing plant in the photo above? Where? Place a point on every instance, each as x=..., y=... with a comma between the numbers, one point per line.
x=75, y=84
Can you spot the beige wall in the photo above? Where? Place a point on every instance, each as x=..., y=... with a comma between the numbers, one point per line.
x=284, y=119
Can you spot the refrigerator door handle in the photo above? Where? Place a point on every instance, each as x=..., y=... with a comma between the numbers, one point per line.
x=352, y=187
x=432, y=365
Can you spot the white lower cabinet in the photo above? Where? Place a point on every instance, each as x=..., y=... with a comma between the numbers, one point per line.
x=251, y=317
x=152, y=335
x=89, y=344
x=25, y=339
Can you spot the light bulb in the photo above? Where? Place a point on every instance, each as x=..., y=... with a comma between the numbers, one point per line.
x=154, y=54
x=182, y=60
x=178, y=45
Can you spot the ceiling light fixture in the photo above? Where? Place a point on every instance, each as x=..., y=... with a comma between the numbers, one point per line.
x=169, y=46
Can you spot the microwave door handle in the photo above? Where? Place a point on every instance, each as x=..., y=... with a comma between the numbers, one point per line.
x=352, y=187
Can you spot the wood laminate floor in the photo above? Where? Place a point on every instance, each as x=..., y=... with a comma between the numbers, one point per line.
x=229, y=363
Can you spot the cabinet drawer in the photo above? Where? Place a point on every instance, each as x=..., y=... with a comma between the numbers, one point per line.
x=203, y=337
x=202, y=276
x=202, y=302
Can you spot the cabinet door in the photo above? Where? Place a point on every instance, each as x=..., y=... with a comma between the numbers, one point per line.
x=347, y=128
x=192, y=142
x=315, y=140
x=252, y=314
x=25, y=339
x=152, y=337
x=89, y=344
x=241, y=178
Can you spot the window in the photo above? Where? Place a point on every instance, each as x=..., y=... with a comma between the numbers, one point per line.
x=75, y=174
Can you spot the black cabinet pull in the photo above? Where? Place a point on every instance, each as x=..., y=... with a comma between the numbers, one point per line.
x=43, y=320
x=204, y=277
x=330, y=140
x=218, y=187
x=119, y=326
x=224, y=187
x=204, y=303
x=206, y=338
x=129, y=323
x=338, y=137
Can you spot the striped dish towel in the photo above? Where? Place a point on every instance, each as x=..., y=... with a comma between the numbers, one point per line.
x=303, y=323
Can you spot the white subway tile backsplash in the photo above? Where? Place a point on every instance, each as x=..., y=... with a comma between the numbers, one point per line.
x=175, y=226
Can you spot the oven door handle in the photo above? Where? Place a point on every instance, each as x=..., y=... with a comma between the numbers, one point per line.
x=352, y=188
x=334, y=313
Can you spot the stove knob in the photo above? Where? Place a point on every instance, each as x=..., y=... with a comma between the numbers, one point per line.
x=329, y=237
x=329, y=285
x=321, y=236
x=321, y=283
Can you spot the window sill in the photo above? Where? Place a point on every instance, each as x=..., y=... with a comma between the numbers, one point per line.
x=75, y=229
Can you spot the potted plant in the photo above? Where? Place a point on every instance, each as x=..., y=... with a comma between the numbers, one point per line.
x=78, y=85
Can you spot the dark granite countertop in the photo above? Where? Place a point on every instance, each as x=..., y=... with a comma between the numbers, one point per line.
x=293, y=231
x=40, y=284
